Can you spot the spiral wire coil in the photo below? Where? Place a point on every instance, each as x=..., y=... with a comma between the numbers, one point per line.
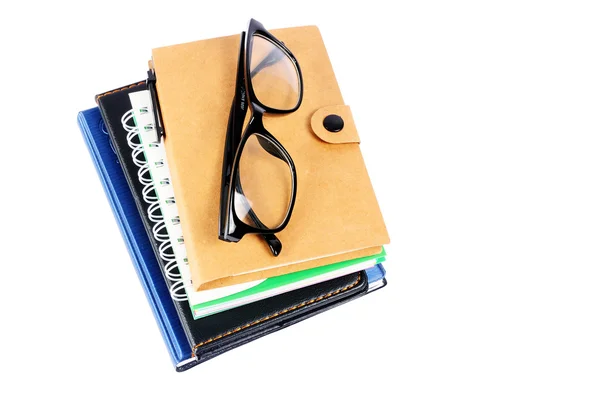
x=149, y=195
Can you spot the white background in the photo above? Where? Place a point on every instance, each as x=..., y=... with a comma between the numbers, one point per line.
x=480, y=128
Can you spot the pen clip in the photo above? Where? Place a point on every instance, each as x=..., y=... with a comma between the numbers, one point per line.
x=151, y=84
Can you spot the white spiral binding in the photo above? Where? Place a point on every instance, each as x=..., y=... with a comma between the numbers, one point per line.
x=148, y=189
x=159, y=230
x=169, y=267
x=154, y=213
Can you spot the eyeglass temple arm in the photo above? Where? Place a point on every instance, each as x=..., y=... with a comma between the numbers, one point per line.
x=237, y=114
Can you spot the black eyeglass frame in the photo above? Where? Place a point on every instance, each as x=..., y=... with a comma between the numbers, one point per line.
x=235, y=141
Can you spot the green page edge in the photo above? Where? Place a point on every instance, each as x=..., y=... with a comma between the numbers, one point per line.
x=277, y=281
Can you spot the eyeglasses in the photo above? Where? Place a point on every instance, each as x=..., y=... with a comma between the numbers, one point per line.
x=258, y=185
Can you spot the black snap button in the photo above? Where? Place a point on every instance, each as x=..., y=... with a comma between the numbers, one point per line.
x=333, y=123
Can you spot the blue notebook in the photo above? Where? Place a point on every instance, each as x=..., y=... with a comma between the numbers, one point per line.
x=137, y=241
x=134, y=234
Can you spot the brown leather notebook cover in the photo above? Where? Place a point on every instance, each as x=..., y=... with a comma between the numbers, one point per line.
x=336, y=216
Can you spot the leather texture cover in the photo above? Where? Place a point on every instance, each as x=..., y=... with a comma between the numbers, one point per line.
x=213, y=335
x=195, y=84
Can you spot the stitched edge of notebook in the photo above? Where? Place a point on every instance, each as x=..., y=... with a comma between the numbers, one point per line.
x=266, y=318
x=120, y=89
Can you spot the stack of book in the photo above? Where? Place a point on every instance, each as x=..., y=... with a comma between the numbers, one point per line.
x=160, y=147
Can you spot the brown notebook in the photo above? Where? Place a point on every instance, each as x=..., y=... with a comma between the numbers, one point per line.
x=336, y=215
